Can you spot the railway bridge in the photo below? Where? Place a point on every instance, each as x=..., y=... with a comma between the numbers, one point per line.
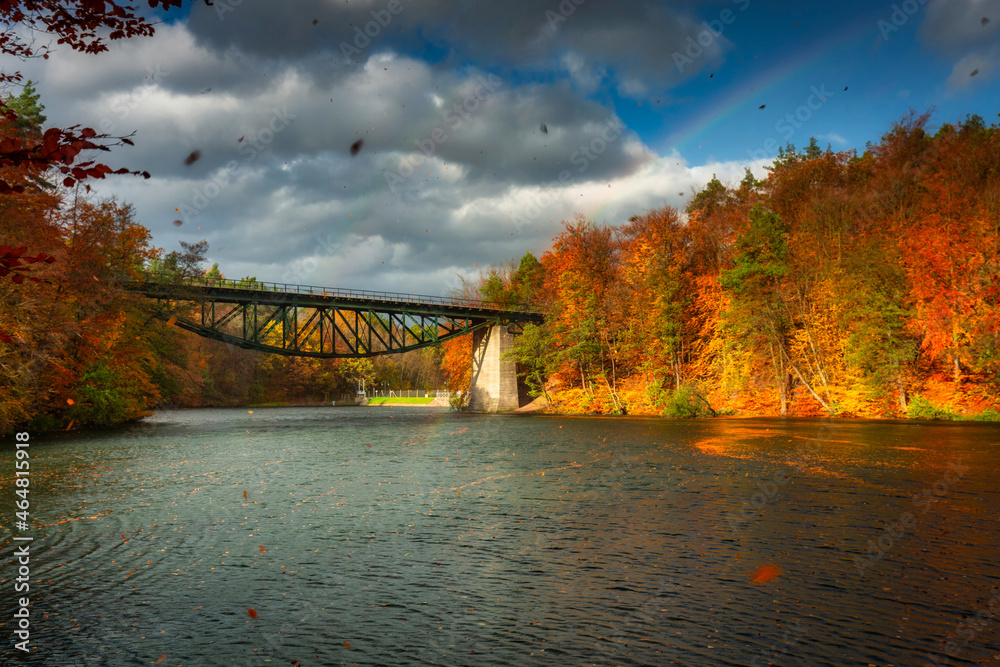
x=329, y=323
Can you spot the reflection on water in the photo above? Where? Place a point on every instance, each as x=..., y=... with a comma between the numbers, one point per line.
x=424, y=537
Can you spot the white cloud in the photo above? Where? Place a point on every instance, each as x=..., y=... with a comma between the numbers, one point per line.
x=834, y=138
x=290, y=202
x=974, y=69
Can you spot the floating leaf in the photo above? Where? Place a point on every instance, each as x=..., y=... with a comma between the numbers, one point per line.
x=244, y=495
x=765, y=573
x=252, y=613
x=262, y=549
x=160, y=659
x=347, y=644
x=70, y=401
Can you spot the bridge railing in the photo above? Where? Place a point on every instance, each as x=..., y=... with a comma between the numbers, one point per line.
x=388, y=297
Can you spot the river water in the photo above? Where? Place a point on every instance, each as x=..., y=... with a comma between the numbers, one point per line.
x=419, y=536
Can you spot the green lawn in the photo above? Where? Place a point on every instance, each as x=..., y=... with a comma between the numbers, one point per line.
x=382, y=400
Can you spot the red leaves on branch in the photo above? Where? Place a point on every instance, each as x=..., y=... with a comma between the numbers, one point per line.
x=85, y=26
x=59, y=148
x=11, y=260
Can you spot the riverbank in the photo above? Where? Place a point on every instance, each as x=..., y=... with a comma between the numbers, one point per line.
x=397, y=401
x=635, y=397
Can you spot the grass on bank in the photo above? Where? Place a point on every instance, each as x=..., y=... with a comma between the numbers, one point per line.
x=383, y=400
x=921, y=408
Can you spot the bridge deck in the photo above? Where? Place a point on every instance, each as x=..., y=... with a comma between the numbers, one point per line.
x=283, y=294
x=321, y=322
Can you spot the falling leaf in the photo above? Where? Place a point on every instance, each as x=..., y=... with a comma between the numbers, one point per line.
x=711, y=76
x=249, y=412
x=70, y=401
x=171, y=321
x=207, y=90
x=262, y=549
x=192, y=158
x=315, y=21
x=545, y=128
x=160, y=659
x=845, y=87
x=178, y=223
x=984, y=20
x=765, y=573
x=762, y=106
x=244, y=495
x=241, y=139
x=70, y=425
x=974, y=72
x=252, y=613
x=202, y=363
x=356, y=146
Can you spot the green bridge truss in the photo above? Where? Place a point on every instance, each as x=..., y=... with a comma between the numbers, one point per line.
x=320, y=322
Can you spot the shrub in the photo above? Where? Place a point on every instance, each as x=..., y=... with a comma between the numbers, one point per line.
x=985, y=416
x=688, y=403
x=921, y=408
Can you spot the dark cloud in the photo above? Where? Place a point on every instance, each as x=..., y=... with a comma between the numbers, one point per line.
x=956, y=27
x=634, y=40
x=290, y=203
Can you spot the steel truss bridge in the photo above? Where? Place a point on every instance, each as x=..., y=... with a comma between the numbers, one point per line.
x=320, y=322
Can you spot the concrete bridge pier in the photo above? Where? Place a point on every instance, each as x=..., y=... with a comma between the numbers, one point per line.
x=494, y=379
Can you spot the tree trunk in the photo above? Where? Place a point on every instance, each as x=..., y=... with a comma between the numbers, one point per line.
x=779, y=376
x=808, y=386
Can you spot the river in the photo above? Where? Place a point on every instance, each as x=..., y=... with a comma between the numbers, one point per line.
x=420, y=536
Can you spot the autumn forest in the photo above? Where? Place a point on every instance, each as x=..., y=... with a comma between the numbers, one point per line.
x=854, y=284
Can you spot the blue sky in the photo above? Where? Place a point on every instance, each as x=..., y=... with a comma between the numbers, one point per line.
x=265, y=94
